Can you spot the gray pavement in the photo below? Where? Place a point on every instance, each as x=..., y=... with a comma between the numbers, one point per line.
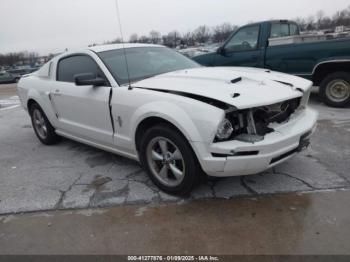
x=71, y=175
x=288, y=224
x=8, y=97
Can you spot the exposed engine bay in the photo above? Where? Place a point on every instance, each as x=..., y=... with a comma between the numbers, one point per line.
x=252, y=125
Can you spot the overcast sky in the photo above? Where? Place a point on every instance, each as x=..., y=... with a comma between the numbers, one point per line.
x=53, y=25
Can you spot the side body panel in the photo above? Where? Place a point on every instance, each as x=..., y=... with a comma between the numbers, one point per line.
x=301, y=59
x=33, y=87
x=196, y=120
x=83, y=110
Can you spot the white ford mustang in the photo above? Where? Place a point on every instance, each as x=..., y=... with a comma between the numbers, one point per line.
x=175, y=117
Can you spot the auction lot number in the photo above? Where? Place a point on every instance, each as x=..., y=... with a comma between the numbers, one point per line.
x=173, y=258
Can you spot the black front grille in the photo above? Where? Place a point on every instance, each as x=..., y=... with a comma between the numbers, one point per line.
x=237, y=154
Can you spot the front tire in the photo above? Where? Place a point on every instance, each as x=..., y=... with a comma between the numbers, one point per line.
x=169, y=160
x=42, y=126
x=335, y=89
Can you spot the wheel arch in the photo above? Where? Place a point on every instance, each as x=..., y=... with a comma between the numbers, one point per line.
x=149, y=122
x=43, y=101
x=325, y=68
x=32, y=96
x=30, y=102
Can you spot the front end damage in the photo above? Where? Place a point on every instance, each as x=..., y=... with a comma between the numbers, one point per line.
x=261, y=138
x=264, y=119
x=251, y=125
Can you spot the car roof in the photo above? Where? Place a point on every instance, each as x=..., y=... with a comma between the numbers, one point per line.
x=44, y=70
x=102, y=48
x=272, y=21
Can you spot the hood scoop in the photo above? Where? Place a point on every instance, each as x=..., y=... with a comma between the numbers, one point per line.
x=236, y=95
x=236, y=80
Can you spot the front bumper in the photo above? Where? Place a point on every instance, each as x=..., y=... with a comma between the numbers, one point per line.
x=235, y=158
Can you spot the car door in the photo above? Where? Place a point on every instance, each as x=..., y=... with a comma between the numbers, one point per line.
x=82, y=111
x=288, y=58
x=242, y=49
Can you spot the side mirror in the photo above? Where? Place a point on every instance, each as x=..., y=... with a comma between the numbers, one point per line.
x=220, y=50
x=89, y=79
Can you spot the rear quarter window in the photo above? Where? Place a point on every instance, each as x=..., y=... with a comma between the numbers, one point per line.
x=279, y=30
x=294, y=29
x=283, y=30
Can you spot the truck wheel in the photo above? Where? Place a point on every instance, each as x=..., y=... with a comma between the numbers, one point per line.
x=42, y=127
x=335, y=89
x=169, y=160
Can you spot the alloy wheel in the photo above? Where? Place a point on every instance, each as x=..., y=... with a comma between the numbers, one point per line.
x=39, y=123
x=165, y=161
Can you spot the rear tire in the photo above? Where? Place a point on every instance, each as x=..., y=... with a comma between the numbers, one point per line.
x=169, y=160
x=335, y=89
x=42, y=126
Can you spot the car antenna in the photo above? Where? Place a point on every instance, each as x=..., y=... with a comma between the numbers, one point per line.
x=121, y=33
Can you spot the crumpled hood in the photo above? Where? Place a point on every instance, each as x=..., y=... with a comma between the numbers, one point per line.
x=258, y=87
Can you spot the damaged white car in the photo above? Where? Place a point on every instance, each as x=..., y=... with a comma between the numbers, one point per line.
x=178, y=119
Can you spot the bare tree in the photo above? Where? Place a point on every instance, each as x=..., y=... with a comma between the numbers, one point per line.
x=310, y=23
x=144, y=39
x=222, y=32
x=172, y=39
x=326, y=23
x=301, y=22
x=155, y=37
x=202, y=34
x=188, y=38
x=133, y=38
x=32, y=57
x=115, y=41
x=342, y=18
x=12, y=59
x=319, y=18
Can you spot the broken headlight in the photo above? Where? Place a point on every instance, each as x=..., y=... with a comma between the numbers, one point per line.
x=225, y=130
x=251, y=125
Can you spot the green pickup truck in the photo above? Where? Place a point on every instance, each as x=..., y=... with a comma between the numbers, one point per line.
x=278, y=45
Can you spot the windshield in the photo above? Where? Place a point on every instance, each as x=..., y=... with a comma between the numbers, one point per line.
x=144, y=62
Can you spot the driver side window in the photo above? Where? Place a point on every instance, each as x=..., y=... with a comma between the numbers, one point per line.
x=77, y=64
x=244, y=40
